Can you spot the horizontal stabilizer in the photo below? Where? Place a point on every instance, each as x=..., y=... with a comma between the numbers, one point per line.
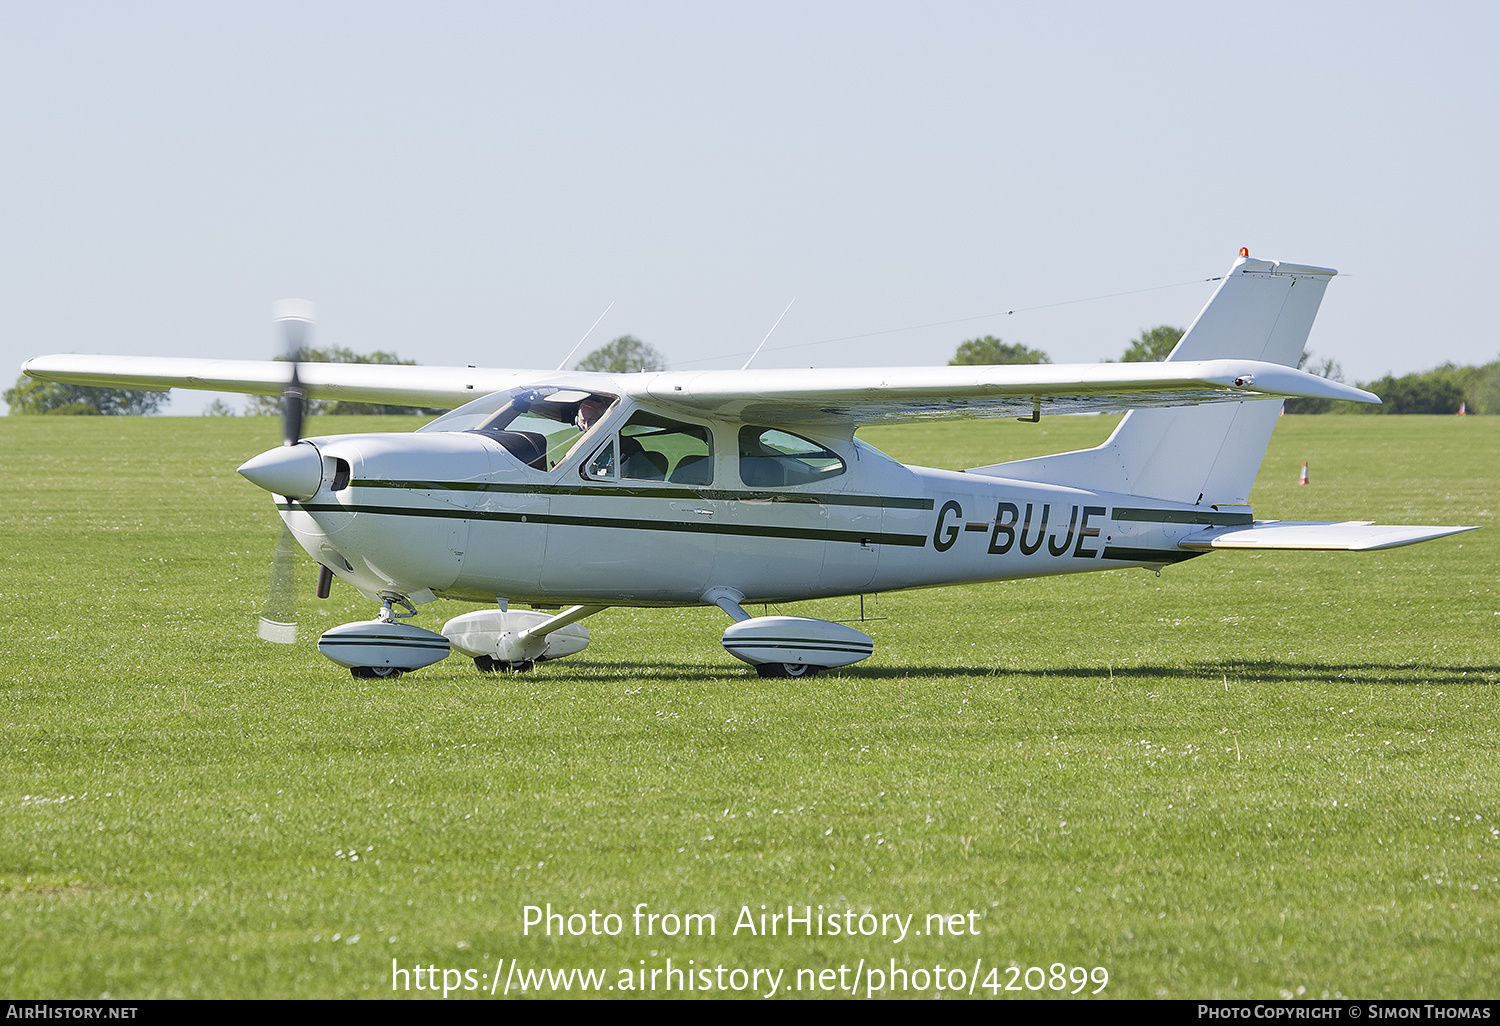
x=1347, y=536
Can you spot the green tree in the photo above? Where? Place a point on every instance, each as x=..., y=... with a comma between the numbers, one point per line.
x=1153, y=345
x=991, y=350
x=1432, y=392
x=1479, y=387
x=271, y=405
x=1326, y=368
x=1485, y=397
x=1436, y=391
x=33, y=396
x=625, y=355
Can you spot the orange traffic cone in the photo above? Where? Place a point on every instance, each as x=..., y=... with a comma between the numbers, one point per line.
x=1303, y=480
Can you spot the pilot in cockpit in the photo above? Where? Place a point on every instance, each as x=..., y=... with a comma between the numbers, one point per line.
x=589, y=412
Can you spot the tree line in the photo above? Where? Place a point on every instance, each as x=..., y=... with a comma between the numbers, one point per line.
x=1442, y=390
x=1446, y=389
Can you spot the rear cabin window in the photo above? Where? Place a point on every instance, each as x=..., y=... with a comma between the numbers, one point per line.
x=770, y=458
x=651, y=447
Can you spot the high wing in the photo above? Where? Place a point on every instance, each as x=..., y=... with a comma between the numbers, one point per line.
x=393, y=384
x=868, y=395
x=829, y=396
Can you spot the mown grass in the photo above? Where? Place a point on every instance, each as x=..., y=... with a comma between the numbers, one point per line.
x=1255, y=774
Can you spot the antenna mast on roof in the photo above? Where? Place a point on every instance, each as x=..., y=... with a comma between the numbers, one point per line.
x=768, y=335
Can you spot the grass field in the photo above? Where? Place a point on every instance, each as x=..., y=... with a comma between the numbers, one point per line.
x=1256, y=775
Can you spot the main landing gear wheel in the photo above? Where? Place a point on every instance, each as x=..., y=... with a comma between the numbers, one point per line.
x=486, y=664
x=376, y=672
x=787, y=670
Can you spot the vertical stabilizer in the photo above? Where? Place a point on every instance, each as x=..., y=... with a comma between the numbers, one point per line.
x=1262, y=310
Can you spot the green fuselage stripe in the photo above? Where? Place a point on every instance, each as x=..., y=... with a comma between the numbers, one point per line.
x=1182, y=516
x=638, y=492
x=1147, y=555
x=621, y=523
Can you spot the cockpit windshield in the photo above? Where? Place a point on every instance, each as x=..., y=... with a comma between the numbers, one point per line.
x=537, y=425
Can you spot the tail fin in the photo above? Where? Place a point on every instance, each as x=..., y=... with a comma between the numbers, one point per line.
x=1262, y=310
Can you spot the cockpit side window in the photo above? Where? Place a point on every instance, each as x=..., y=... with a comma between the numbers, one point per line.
x=538, y=426
x=602, y=464
x=771, y=458
x=651, y=447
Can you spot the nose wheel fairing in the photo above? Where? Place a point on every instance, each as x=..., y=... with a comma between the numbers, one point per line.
x=378, y=645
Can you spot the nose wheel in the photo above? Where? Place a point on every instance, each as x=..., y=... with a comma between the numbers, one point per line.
x=388, y=614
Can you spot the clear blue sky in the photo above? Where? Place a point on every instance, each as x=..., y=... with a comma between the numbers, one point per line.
x=474, y=183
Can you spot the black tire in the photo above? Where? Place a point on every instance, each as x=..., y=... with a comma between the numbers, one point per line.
x=487, y=664
x=793, y=670
x=375, y=672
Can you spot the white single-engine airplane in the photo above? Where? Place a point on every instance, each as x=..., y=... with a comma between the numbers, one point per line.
x=578, y=491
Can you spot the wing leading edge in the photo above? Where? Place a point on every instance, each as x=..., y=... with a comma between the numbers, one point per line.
x=393, y=384
x=830, y=396
x=868, y=395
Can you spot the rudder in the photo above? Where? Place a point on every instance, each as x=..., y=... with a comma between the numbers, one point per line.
x=1262, y=310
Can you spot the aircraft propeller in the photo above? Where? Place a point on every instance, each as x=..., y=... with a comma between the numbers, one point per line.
x=278, y=620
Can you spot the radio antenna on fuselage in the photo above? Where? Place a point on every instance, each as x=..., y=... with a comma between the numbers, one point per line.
x=586, y=334
x=768, y=335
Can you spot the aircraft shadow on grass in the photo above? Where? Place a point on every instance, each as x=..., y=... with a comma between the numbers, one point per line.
x=1236, y=671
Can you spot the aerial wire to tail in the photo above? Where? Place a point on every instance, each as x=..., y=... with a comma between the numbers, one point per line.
x=278, y=620
x=956, y=320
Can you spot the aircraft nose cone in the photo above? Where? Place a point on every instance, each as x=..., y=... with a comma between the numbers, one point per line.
x=295, y=471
